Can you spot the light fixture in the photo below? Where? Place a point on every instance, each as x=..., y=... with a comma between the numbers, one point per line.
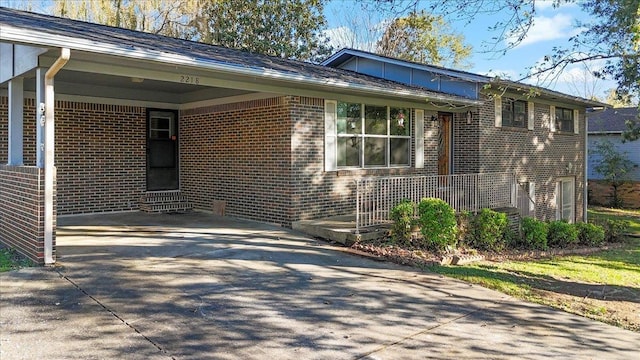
x=469, y=117
x=434, y=120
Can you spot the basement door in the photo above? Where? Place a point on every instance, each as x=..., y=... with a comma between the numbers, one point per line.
x=162, y=150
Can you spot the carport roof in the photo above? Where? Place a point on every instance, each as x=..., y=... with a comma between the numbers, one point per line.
x=48, y=31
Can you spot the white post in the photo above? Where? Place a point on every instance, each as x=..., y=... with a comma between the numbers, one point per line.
x=49, y=154
x=16, y=116
x=40, y=118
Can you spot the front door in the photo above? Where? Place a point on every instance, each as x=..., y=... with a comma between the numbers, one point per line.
x=162, y=150
x=444, y=144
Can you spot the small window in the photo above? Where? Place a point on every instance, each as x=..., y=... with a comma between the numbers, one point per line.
x=564, y=120
x=514, y=113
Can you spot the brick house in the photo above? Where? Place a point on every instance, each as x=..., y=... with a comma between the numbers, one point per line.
x=98, y=119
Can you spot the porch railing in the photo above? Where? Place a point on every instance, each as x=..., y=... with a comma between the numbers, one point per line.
x=376, y=196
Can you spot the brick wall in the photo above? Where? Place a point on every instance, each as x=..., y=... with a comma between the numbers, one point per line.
x=29, y=131
x=537, y=155
x=21, y=215
x=601, y=191
x=100, y=156
x=239, y=153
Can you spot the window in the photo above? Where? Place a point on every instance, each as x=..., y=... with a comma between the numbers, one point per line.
x=514, y=113
x=565, y=191
x=372, y=136
x=564, y=120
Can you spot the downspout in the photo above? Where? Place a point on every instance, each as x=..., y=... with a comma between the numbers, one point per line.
x=49, y=152
x=585, y=190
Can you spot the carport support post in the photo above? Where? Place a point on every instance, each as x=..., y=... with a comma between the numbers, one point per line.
x=49, y=154
x=40, y=118
x=16, y=115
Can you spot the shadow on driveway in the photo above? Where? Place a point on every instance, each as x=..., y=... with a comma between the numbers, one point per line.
x=195, y=286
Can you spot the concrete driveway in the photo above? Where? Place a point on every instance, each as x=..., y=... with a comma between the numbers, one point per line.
x=194, y=286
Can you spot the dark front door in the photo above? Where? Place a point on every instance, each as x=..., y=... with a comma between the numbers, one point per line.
x=162, y=150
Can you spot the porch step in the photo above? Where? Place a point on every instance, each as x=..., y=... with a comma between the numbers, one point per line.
x=164, y=202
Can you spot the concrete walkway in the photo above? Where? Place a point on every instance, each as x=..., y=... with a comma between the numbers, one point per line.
x=195, y=286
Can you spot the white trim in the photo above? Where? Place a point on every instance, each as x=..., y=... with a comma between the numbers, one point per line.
x=560, y=195
x=576, y=121
x=498, y=111
x=228, y=100
x=330, y=135
x=552, y=118
x=531, y=108
x=419, y=139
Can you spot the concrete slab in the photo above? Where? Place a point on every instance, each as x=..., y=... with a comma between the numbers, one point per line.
x=196, y=286
x=340, y=229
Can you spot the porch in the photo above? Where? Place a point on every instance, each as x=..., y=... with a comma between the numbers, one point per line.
x=376, y=196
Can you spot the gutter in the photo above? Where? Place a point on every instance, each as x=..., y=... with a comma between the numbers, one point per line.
x=49, y=152
x=27, y=36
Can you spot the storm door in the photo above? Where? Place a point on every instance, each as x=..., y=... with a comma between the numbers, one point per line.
x=162, y=150
x=444, y=144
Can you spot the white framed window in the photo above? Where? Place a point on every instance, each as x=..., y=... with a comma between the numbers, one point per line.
x=366, y=136
x=565, y=199
x=514, y=113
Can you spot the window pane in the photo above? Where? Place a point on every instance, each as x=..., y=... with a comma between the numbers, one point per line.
x=349, y=151
x=375, y=120
x=375, y=151
x=519, y=110
x=349, y=118
x=158, y=123
x=400, y=121
x=399, y=150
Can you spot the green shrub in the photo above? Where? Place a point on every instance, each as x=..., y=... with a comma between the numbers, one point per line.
x=615, y=230
x=403, y=219
x=590, y=234
x=534, y=234
x=437, y=221
x=488, y=230
x=561, y=234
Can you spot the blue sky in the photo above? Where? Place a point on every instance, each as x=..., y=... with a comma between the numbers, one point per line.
x=552, y=27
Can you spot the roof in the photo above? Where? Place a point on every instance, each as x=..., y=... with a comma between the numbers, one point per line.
x=18, y=26
x=346, y=54
x=611, y=120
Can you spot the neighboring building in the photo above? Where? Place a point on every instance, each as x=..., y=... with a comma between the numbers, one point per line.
x=608, y=125
x=141, y=117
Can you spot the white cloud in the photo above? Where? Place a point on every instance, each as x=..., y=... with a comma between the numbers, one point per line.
x=503, y=74
x=559, y=26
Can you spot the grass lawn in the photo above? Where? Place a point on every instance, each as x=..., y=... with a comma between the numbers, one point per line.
x=12, y=260
x=604, y=286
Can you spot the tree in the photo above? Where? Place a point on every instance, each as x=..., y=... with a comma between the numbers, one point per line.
x=613, y=166
x=284, y=28
x=424, y=38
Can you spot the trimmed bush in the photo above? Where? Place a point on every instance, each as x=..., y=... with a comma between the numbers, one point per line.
x=590, y=234
x=561, y=234
x=437, y=221
x=403, y=219
x=615, y=230
x=488, y=230
x=534, y=234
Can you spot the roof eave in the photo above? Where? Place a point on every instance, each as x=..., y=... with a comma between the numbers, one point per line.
x=32, y=37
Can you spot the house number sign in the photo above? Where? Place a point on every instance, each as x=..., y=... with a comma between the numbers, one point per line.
x=188, y=79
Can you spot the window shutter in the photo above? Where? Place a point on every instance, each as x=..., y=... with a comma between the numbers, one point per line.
x=576, y=122
x=419, y=139
x=532, y=196
x=552, y=118
x=498, y=102
x=330, y=135
x=532, y=115
x=558, y=200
